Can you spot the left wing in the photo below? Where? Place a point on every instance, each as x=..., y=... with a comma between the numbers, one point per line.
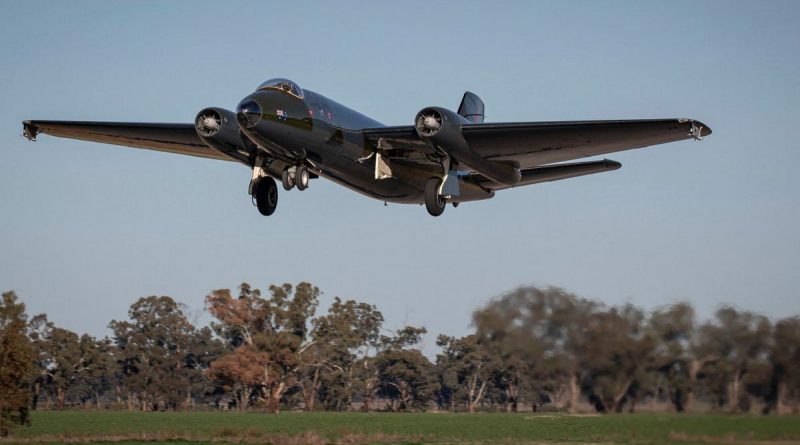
x=172, y=138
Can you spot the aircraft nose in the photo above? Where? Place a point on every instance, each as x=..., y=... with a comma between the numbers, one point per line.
x=248, y=112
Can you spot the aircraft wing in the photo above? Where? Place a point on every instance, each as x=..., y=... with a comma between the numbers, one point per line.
x=533, y=144
x=172, y=138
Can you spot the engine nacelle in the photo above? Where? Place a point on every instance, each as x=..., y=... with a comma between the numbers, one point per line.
x=218, y=129
x=441, y=128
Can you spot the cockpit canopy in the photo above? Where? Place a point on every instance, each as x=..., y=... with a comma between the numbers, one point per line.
x=284, y=85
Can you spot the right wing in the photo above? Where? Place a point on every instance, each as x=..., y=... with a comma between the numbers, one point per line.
x=172, y=138
x=532, y=144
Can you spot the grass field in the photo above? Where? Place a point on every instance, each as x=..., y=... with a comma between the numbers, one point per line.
x=358, y=428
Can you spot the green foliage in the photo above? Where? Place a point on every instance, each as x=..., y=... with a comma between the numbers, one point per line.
x=530, y=349
x=275, y=328
x=155, y=356
x=413, y=428
x=406, y=378
x=16, y=364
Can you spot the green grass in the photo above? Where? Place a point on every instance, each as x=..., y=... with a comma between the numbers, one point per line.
x=320, y=428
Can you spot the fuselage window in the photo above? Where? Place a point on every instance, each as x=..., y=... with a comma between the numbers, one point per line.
x=320, y=111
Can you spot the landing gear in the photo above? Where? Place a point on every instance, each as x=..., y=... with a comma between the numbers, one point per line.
x=295, y=177
x=266, y=195
x=287, y=180
x=301, y=177
x=434, y=201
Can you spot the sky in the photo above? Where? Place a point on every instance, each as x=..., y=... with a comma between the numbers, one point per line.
x=86, y=229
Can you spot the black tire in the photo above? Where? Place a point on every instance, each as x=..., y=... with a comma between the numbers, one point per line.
x=433, y=201
x=286, y=180
x=301, y=178
x=266, y=196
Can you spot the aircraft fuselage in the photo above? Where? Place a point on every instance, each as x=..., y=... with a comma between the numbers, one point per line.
x=328, y=136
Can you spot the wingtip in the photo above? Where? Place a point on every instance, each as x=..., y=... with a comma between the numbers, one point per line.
x=705, y=130
x=29, y=130
x=698, y=129
x=612, y=165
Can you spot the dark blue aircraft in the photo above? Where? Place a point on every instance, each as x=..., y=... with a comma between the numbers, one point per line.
x=293, y=135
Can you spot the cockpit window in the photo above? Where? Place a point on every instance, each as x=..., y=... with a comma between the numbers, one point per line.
x=284, y=85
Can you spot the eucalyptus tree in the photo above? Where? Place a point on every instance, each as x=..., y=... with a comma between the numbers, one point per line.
x=61, y=358
x=405, y=375
x=16, y=363
x=785, y=357
x=277, y=328
x=615, y=354
x=673, y=328
x=537, y=338
x=153, y=346
x=100, y=367
x=738, y=341
x=341, y=337
x=466, y=369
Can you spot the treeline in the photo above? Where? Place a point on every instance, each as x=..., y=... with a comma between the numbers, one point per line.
x=529, y=349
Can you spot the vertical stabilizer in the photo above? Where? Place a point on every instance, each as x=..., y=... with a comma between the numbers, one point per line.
x=471, y=107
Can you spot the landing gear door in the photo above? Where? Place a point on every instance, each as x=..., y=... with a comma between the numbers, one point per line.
x=450, y=187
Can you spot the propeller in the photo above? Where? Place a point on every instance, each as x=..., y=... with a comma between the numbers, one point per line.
x=208, y=124
x=428, y=122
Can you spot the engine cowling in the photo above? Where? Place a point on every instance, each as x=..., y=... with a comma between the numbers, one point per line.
x=442, y=129
x=440, y=126
x=218, y=129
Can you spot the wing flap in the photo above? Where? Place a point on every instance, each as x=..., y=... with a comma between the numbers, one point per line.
x=171, y=138
x=554, y=173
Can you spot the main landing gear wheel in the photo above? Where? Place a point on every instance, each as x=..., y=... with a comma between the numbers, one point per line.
x=266, y=196
x=434, y=202
x=301, y=177
x=287, y=180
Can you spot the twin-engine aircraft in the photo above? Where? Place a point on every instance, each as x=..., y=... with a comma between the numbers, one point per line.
x=293, y=135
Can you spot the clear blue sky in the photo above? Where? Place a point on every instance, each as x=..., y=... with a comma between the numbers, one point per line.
x=85, y=229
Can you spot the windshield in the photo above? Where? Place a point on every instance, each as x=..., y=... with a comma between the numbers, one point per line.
x=284, y=85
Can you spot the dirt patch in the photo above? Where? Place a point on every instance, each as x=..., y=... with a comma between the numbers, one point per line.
x=728, y=439
x=227, y=435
